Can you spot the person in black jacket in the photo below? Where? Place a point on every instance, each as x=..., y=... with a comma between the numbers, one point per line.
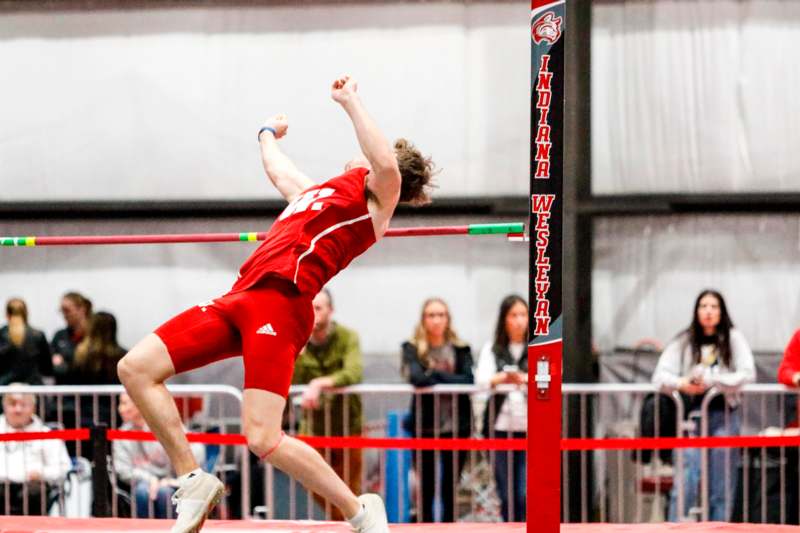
x=435, y=355
x=77, y=310
x=24, y=352
x=96, y=358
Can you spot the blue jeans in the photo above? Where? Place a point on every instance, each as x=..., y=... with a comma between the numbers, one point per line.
x=160, y=505
x=510, y=472
x=723, y=465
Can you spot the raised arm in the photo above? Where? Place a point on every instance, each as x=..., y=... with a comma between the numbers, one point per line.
x=281, y=171
x=384, y=181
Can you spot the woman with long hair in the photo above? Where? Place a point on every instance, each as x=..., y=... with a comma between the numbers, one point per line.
x=97, y=355
x=709, y=353
x=24, y=352
x=504, y=360
x=96, y=358
x=436, y=355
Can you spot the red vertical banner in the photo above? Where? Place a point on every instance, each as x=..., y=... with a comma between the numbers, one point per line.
x=548, y=24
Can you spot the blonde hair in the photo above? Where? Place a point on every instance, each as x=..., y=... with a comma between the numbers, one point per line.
x=17, y=313
x=416, y=171
x=420, y=337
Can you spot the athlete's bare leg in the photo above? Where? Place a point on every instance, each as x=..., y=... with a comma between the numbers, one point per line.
x=261, y=416
x=143, y=371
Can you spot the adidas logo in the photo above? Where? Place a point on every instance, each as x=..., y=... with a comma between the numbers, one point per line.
x=266, y=329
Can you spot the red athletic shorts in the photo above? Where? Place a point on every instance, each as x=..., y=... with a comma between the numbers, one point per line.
x=268, y=325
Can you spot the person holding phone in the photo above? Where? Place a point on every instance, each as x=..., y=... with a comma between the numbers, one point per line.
x=504, y=360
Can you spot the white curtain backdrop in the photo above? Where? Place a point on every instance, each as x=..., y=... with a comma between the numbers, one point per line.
x=649, y=270
x=695, y=96
x=165, y=103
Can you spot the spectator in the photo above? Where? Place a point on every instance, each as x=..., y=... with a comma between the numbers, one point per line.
x=76, y=310
x=143, y=466
x=435, y=355
x=24, y=353
x=504, y=360
x=95, y=363
x=32, y=467
x=789, y=369
x=332, y=358
x=789, y=375
x=709, y=353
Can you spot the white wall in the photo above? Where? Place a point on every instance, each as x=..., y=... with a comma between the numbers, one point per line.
x=695, y=96
x=166, y=103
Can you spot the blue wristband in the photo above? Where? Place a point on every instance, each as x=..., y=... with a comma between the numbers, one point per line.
x=267, y=128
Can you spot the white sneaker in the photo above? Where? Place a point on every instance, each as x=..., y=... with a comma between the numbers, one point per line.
x=375, y=519
x=195, y=499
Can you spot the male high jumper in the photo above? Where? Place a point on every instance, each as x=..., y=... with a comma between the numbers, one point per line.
x=267, y=316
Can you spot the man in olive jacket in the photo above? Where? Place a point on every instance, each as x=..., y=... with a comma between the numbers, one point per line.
x=331, y=359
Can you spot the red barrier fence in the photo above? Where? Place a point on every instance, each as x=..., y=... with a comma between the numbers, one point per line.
x=233, y=439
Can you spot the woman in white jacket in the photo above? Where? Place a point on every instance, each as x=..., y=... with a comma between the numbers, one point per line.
x=504, y=360
x=709, y=353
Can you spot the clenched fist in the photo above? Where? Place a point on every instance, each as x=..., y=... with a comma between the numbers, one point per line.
x=343, y=89
x=280, y=123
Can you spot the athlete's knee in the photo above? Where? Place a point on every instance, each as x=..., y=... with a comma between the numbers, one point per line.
x=262, y=412
x=263, y=440
x=144, y=365
x=123, y=372
x=133, y=372
x=126, y=370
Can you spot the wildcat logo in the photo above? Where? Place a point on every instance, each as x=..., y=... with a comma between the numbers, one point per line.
x=547, y=28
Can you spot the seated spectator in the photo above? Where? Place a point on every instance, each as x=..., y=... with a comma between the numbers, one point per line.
x=435, y=355
x=144, y=468
x=28, y=468
x=709, y=353
x=787, y=492
x=332, y=358
x=76, y=310
x=504, y=360
x=96, y=358
x=24, y=353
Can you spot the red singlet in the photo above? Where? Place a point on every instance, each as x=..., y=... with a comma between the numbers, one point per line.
x=267, y=316
x=315, y=237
